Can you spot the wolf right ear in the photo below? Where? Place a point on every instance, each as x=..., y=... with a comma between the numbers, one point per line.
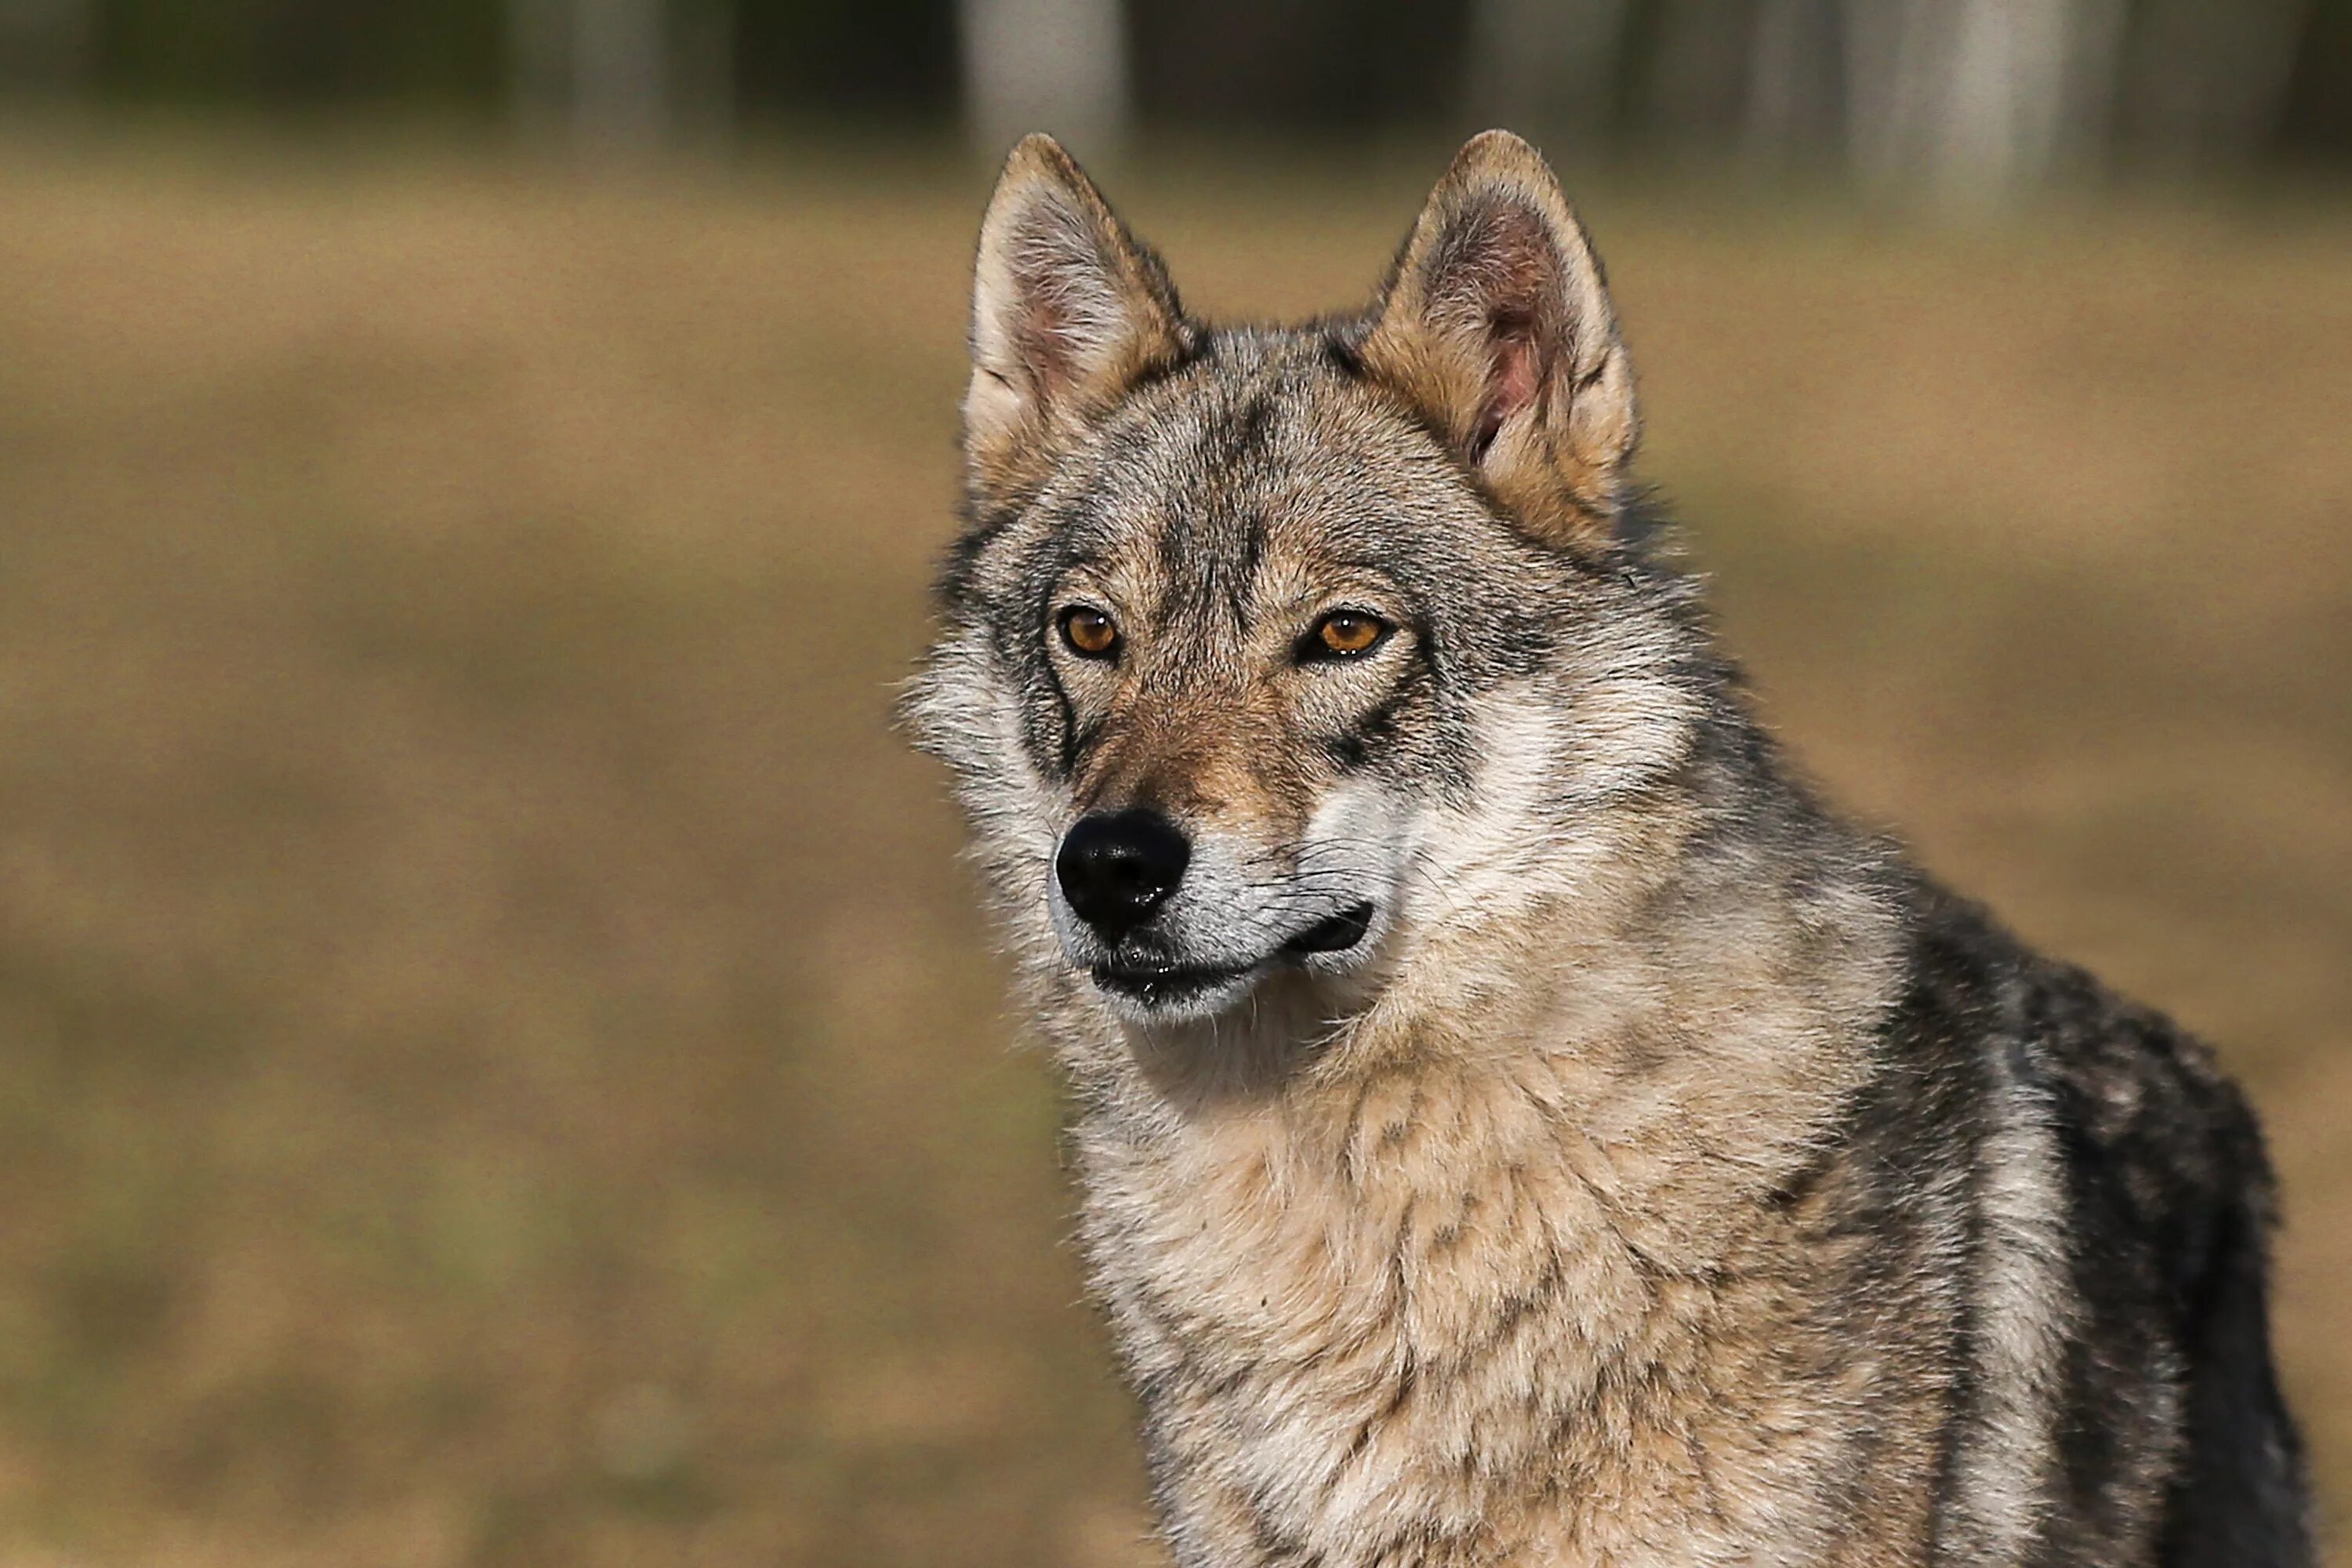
x=1068, y=310
x=1496, y=324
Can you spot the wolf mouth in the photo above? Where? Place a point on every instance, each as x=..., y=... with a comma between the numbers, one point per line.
x=1168, y=984
x=1164, y=985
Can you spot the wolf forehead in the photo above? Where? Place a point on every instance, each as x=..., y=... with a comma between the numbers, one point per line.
x=1262, y=468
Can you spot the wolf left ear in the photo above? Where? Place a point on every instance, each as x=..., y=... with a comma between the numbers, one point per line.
x=1068, y=310
x=1496, y=322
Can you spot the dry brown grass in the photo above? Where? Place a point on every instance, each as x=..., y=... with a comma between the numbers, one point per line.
x=496, y=1064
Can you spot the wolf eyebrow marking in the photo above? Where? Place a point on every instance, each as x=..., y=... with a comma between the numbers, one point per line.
x=1038, y=659
x=1176, y=547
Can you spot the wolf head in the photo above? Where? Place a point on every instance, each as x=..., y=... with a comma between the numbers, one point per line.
x=1297, y=659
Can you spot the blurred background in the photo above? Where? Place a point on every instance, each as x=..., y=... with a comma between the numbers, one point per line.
x=497, y=1063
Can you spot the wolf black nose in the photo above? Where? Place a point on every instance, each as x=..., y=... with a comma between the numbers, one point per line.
x=1115, y=867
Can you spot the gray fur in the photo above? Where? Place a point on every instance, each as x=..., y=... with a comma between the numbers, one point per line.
x=1670, y=1174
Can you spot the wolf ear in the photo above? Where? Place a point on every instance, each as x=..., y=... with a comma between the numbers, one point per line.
x=1496, y=321
x=1068, y=309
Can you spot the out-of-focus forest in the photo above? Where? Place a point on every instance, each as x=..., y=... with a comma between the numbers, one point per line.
x=499, y=1064
x=1955, y=98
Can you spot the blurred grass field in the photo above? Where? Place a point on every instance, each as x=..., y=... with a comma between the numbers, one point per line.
x=496, y=1061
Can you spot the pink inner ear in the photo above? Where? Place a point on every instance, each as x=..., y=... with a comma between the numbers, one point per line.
x=1039, y=340
x=1041, y=322
x=1497, y=279
x=1057, y=287
x=1511, y=385
x=1514, y=373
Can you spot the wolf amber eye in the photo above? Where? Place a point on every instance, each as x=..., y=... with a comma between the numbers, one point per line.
x=1344, y=634
x=1089, y=632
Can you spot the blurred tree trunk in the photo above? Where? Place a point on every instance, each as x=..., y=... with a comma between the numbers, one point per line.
x=1796, y=101
x=2206, y=81
x=706, y=68
x=603, y=66
x=1540, y=64
x=620, y=74
x=2094, y=68
x=1996, y=125
x=1890, y=45
x=1696, y=89
x=539, y=62
x=1972, y=102
x=1046, y=65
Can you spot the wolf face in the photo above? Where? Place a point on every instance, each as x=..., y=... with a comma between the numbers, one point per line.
x=1273, y=655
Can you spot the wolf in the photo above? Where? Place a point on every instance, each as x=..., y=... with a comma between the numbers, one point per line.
x=1517, y=1122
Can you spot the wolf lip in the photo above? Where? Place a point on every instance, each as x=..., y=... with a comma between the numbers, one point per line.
x=1336, y=934
x=1157, y=985
x=1172, y=985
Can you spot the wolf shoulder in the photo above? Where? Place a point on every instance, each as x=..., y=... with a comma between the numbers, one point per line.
x=2151, y=1130
x=2117, y=1133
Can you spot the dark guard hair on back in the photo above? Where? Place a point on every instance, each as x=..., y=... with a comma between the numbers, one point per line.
x=1519, y=1123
